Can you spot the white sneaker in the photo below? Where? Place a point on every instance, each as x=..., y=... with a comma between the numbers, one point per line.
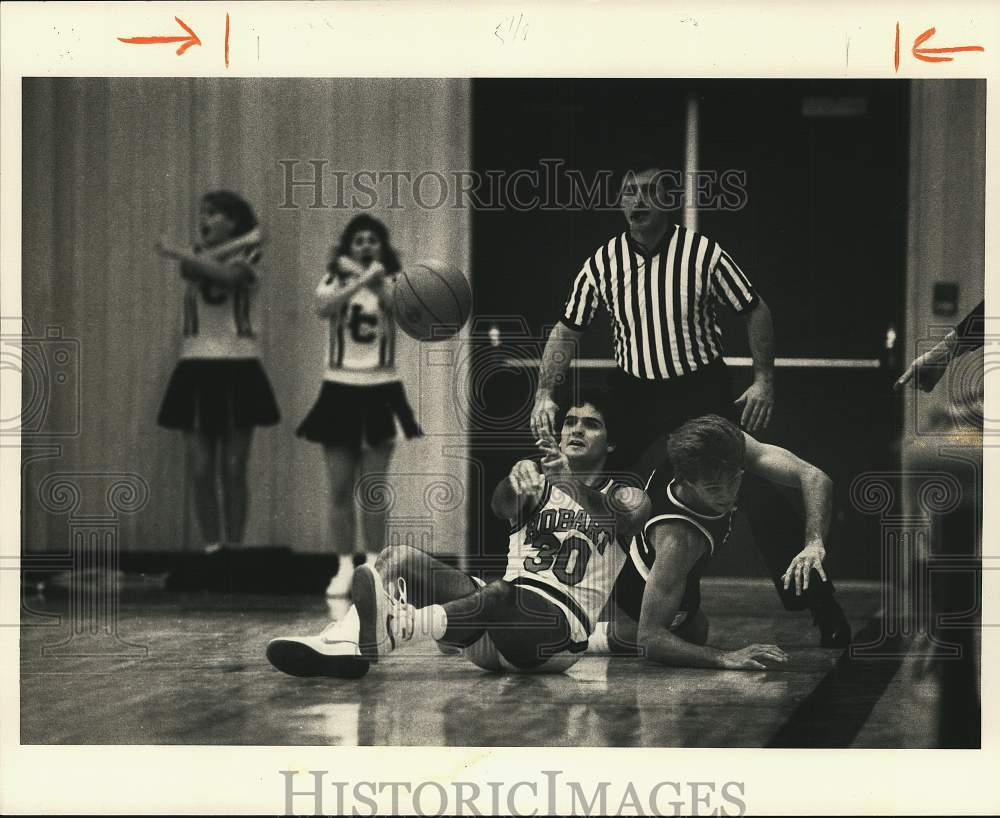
x=386, y=620
x=334, y=652
x=340, y=584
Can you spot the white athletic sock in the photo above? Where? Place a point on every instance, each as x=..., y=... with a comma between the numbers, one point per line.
x=430, y=623
x=598, y=642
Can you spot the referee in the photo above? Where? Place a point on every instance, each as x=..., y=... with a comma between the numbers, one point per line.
x=660, y=284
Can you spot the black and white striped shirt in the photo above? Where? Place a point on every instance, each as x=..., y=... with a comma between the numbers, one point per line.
x=662, y=307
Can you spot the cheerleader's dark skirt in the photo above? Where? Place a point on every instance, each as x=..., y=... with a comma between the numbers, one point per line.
x=214, y=396
x=351, y=416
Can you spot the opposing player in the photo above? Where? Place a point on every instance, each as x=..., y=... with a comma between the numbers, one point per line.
x=658, y=596
x=568, y=528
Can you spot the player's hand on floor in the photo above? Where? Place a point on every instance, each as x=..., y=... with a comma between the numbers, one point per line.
x=526, y=479
x=543, y=417
x=758, y=404
x=802, y=565
x=754, y=657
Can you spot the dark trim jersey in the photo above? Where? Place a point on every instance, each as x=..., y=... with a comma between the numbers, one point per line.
x=667, y=508
x=662, y=306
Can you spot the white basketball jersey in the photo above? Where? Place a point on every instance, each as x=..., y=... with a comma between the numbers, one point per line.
x=567, y=555
x=362, y=345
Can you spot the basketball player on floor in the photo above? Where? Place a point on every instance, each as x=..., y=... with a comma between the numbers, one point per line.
x=693, y=493
x=568, y=524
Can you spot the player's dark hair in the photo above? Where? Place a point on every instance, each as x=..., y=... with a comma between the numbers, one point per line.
x=706, y=448
x=390, y=258
x=234, y=207
x=603, y=401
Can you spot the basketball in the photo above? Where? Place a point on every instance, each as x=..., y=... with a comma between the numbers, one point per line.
x=432, y=300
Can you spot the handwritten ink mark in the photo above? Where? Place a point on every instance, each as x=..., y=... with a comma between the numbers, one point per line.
x=927, y=54
x=516, y=28
x=924, y=53
x=186, y=41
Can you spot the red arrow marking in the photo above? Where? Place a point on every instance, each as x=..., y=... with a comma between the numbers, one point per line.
x=922, y=53
x=187, y=42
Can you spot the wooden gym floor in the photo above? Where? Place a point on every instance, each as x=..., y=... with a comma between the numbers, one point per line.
x=190, y=669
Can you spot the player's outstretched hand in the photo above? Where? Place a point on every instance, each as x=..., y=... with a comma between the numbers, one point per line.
x=543, y=416
x=754, y=657
x=809, y=558
x=526, y=479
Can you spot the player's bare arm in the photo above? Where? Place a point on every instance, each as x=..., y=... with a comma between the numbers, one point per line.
x=786, y=469
x=678, y=547
x=521, y=488
x=757, y=401
x=560, y=349
x=631, y=508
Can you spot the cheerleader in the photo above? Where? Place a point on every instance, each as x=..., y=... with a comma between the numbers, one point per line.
x=219, y=392
x=362, y=397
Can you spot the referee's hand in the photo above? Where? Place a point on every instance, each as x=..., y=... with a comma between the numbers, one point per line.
x=543, y=417
x=758, y=404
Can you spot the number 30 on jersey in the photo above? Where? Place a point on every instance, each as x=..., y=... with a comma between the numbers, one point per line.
x=567, y=559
